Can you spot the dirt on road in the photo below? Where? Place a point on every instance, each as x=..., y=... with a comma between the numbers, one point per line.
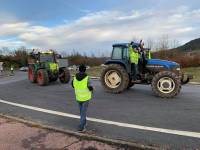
x=15, y=135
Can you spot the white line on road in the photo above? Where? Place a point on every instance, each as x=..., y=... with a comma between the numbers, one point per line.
x=120, y=124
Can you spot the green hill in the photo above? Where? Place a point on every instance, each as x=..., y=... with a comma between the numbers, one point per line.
x=192, y=45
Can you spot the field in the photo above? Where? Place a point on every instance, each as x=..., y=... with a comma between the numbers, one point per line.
x=195, y=71
x=93, y=71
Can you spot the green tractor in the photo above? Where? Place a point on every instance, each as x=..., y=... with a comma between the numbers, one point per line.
x=45, y=67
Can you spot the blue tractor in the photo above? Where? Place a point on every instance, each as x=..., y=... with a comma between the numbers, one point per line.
x=164, y=76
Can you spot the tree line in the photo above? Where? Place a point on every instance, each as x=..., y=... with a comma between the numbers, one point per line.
x=19, y=58
x=163, y=48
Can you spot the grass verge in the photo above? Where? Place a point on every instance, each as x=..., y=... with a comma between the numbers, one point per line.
x=195, y=71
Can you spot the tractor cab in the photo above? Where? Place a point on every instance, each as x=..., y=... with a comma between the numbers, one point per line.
x=120, y=55
x=47, y=57
x=43, y=56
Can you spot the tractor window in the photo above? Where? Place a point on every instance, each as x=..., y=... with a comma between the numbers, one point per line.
x=125, y=53
x=117, y=53
x=46, y=58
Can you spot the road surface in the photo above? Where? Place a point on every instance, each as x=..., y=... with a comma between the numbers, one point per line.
x=135, y=115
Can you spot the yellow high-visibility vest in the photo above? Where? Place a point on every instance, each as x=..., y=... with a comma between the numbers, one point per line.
x=134, y=56
x=81, y=89
x=53, y=66
x=149, y=55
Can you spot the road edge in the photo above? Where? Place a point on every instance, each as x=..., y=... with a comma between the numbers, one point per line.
x=122, y=144
x=194, y=83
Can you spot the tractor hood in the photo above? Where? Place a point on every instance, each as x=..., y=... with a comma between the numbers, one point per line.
x=165, y=63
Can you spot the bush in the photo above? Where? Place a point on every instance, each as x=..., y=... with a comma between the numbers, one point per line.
x=184, y=59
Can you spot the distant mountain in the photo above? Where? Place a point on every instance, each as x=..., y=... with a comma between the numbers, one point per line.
x=190, y=46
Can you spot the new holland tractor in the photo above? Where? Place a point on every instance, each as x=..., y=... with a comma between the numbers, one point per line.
x=45, y=67
x=164, y=76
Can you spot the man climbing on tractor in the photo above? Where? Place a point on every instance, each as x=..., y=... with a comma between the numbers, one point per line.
x=134, y=57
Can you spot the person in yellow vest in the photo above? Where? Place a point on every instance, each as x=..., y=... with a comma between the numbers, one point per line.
x=148, y=53
x=83, y=92
x=134, y=57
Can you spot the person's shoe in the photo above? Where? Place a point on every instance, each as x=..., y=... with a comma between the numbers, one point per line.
x=81, y=129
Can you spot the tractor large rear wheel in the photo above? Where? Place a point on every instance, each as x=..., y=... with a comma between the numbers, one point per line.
x=32, y=76
x=42, y=77
x=114, y=78
x=166, y=84
x=64, y=75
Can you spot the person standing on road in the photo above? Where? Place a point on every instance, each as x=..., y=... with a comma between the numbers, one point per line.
x=83, y=91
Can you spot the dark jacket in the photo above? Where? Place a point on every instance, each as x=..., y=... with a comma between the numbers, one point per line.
x=80, y=76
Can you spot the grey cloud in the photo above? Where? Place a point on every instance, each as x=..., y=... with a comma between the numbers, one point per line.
x=97, y=31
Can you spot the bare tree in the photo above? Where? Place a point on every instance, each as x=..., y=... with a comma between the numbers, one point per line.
x=63, y=53
x=150, y=43
x=174, y=43
x=1, y=52
x=163, y=42
x=5, y=51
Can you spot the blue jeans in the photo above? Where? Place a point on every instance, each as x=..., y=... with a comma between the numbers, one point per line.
x=83, y=112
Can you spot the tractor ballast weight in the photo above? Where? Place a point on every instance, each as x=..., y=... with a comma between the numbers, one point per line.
x=45, y=67
x=164, y=76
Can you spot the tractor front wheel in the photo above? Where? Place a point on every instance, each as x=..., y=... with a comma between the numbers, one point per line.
x=64, y=75
x=42, y=77
x=166, y=84
x=114, y=78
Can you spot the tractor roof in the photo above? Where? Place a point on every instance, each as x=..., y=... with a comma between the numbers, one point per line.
x=125, y=44
x=37, y=51
x=121, y=45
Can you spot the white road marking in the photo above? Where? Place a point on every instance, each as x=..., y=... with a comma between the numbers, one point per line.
x=120, y=124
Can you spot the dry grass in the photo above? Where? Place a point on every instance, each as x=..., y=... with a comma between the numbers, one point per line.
x=195, y=71
x=93, y=71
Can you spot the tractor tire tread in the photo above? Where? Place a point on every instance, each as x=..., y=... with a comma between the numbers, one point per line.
x=45, y=77
x=125, y=78
x=166, y=74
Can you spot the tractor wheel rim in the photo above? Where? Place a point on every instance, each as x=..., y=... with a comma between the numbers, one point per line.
x=166, y=85
x=112, y=79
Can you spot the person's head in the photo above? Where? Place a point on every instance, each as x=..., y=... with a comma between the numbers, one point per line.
x=82, y=68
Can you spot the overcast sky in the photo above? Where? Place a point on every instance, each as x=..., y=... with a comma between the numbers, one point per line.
x=94, y=25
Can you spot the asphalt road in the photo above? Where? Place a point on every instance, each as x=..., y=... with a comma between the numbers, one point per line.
x=136, y=106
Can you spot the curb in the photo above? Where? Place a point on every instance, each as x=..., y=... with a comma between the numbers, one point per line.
x=94, y=78
x=121, y=144
x=194, y=83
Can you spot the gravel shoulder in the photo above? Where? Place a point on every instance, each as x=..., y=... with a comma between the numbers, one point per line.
x=20, y=136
